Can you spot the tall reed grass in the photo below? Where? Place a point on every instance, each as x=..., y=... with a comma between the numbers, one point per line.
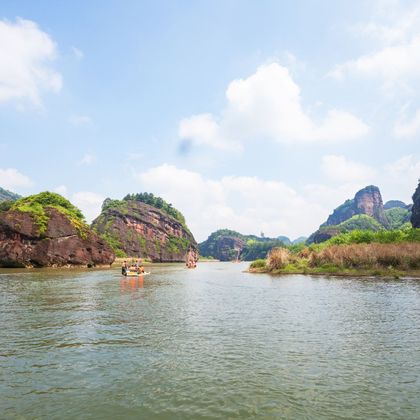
x=404, y=256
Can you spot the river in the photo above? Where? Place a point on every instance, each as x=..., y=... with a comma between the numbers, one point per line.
x=213, y=342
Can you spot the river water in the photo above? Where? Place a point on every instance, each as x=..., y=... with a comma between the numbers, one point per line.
x=207, y=343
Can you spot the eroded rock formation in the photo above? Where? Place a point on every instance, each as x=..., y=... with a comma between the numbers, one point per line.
x=136, y=229
x=59, y=243
x=366, y=201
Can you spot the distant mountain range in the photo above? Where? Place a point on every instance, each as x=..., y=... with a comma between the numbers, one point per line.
x=6, y=195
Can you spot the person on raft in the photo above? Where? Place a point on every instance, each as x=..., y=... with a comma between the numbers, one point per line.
x=124, y=268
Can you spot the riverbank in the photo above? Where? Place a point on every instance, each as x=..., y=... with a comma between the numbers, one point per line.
x=383, y=260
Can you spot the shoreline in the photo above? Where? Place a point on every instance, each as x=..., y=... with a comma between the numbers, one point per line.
x=379, y=273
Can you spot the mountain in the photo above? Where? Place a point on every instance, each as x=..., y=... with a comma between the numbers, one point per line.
x=366, y=201
x=415, y=216
x=363, y=212
x=142, y=225
x=229, y=245
x=47, y=230
x=300, y=240
x=285, y=240
x=6, y=195
x=391, y=204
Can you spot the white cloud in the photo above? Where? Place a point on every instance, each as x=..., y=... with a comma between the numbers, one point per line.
x=392, y=63
x=62, y=190
x=202, y=129
x=11, y=178
x=406, y=167
x=268, y=105
x=340, y=169
x=402, y=177
x=392, y=24
x=407, y=127
x=246, y=204
x=87, y=159
x=79, y=119
x=89, y=202
x=26, y=53
x=395, y=30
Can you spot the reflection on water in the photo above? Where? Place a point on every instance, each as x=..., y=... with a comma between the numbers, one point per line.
x=212, y=342
x=132, y=283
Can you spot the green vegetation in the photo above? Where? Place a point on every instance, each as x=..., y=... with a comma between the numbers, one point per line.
x=225, y=244
x=157, y=202
x=358, y=252
x=36, y=205
x=397, y=217
x=114, y=243
x=5, y=205
x=176, y=244
x=367, y=237
x=361, y=222
x=260, y=263
x=256, y=249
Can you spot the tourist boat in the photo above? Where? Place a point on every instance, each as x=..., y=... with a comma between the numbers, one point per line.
x=135, y=273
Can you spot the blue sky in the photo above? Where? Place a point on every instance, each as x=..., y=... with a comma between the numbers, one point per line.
x=255, y=116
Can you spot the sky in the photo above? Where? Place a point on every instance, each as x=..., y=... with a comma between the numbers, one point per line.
x=257, y=116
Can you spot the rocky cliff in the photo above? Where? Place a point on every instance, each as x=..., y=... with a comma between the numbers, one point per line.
x=137, y=229
x=47, y=230
x=415, y=211
x=366, y=201
x=363, y=212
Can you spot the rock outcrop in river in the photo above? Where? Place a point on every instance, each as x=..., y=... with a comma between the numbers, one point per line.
x=138, y=229
x=46, y=230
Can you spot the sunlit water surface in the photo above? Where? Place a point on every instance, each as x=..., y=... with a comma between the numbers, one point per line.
x=207, y=343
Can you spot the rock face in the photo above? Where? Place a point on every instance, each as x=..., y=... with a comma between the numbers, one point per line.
x=366, y=201
x=136, y=229
x=323, y=234
x=60, y=243
x=364, y=212
x=415, y=211
x=224, y=248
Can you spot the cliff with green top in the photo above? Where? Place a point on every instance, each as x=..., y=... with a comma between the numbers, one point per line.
x=47, y=230
x=145, y=226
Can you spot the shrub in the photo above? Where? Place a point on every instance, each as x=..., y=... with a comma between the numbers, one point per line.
x=258, y=264
x=157, y=202
x=278, y=258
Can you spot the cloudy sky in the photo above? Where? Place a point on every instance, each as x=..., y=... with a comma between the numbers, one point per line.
x=250, y=115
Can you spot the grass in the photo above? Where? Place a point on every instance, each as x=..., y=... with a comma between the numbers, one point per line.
x=37, y=206
x=374, y=259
